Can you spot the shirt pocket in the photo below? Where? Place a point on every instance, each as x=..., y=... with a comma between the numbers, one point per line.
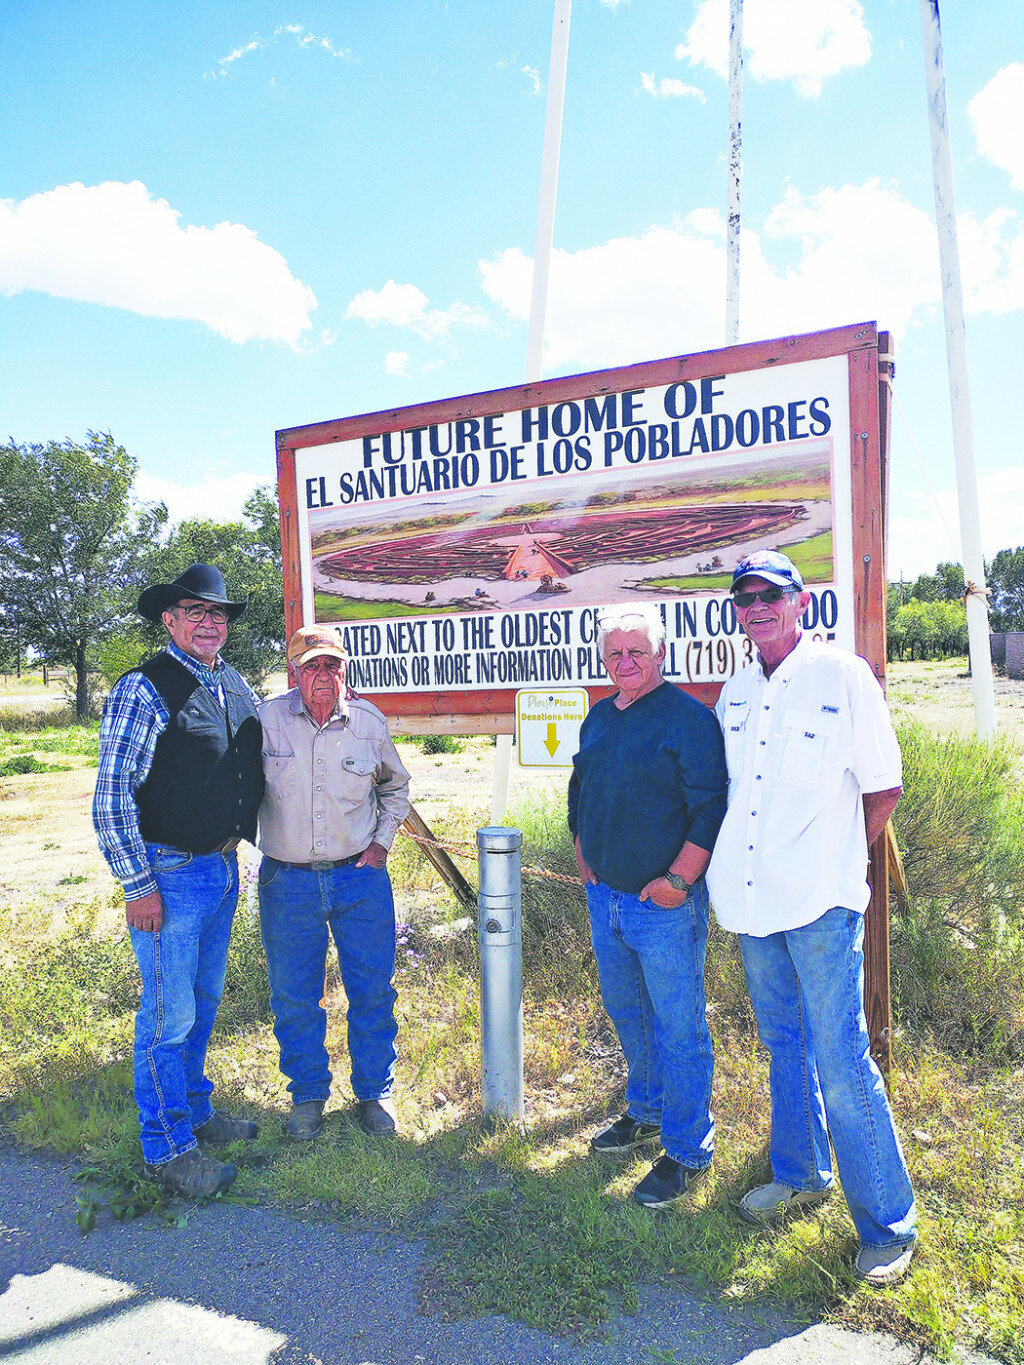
x=279, y=774
x=808, y=740
x=351, y=775
x=734, y=732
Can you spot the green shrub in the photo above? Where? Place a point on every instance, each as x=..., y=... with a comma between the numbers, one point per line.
x=28, y=763
x=441, y=744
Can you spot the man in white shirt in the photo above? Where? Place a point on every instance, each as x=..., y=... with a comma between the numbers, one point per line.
x=336, y=792
x=814, y=773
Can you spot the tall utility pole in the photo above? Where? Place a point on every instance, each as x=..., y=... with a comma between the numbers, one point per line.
x=539, y=293
x=732, y=249
x=959, y=385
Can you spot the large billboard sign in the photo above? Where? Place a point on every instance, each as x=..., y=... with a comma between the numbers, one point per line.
x=466, y=547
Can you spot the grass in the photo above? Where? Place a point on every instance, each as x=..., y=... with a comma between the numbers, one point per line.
x=525, y=1222
x=27, y=734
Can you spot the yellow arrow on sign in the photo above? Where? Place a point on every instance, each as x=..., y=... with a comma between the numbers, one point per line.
x=551, y=743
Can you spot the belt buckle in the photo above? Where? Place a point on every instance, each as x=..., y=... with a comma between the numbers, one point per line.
x=327, y=866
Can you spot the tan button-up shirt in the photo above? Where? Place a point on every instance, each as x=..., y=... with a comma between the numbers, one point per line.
x=331, y=790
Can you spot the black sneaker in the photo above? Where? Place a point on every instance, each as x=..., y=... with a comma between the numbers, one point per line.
x=666, y=1183
x=193, y=1174
x=623, y=1136
x=220, y=1129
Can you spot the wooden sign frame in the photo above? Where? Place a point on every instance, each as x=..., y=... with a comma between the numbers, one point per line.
x=484, y=710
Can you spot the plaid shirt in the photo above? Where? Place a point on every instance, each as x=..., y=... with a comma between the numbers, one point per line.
x=134, y=718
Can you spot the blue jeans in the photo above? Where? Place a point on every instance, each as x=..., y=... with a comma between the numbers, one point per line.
x=807, y=989
x=182, y=967
x=296, y=910
x=651, y=965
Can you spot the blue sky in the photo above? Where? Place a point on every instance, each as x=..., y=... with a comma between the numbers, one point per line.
x=219, y=219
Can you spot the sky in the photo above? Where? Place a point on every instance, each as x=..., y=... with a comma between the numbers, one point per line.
x=218, y=219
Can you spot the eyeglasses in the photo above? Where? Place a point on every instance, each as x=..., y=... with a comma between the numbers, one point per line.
x=766, y=595
x=217, y=615
x=328, y=665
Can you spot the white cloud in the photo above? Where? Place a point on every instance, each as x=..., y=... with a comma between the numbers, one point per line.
x=997, y=116
x=404, y=305
x=862, y=252
x=930, y=535
x=534, y=83
x=116, y=245
x=301, y=35
x=803, y=41
x=992, y=259
x=669, y=88
x=396, y=362
x=215, y=498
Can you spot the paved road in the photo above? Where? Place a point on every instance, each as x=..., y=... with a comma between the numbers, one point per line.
x=250, y=1286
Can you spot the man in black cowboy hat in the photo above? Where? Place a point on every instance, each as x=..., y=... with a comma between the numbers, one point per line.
x=179, y=785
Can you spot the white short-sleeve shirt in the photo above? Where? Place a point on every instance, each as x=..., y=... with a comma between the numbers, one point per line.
x=801, y=747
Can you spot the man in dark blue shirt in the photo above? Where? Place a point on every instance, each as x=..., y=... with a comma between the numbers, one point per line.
x=646, y=798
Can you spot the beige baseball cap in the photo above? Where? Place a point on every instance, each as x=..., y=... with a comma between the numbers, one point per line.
x=310, y=642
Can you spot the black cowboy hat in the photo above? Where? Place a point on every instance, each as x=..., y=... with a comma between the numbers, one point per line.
x=202, y=581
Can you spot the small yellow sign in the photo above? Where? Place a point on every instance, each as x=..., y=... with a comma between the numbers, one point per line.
x=548, y=724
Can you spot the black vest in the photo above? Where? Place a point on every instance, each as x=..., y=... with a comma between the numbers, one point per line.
x=206, y=781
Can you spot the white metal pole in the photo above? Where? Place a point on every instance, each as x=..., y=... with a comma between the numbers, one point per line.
x=539, y=293
x=548, y=188
x=959, y=385
x=732, y=287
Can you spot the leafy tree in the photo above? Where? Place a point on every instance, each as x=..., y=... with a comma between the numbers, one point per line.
x=946, y=584
x=248, y=554
x=72, y=546
x=1005, y=578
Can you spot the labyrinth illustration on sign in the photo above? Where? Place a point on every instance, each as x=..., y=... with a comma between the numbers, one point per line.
x=583, y=541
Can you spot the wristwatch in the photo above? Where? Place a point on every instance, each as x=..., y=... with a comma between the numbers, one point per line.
x=676, y=882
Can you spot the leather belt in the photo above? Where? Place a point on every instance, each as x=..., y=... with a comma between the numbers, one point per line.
x=228, y=846
x=326, y=865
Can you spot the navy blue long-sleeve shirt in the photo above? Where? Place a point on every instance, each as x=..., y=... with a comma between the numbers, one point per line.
x=647, y=779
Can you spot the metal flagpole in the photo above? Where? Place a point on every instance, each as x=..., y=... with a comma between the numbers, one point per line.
x=732, y=287
x=959, y=386
x=539, y=294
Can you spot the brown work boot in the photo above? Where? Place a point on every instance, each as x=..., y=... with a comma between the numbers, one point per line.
x=306, y=1119
x=193, y=1174
x=377, y=1116
x=220, y=1129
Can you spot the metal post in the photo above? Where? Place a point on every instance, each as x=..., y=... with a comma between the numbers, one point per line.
x=732, y=288
x=959, y=385
x=501, y=972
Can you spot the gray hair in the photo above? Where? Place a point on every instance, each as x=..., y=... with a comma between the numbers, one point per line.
x=641, y=617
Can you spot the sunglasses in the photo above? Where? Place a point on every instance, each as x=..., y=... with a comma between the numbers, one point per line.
x=766, y=595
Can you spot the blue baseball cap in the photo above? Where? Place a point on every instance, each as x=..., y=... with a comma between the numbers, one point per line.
x=770, y=565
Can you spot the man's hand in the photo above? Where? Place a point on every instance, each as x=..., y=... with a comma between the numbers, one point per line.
x=663, y=893
x=585, y=871
x=376, y=855
x=147, y=913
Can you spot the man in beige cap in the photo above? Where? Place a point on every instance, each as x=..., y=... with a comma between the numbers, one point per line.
x=336, y=792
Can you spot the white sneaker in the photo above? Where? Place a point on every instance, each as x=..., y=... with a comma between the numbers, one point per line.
x=772, y=1203
x=880, y=1266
